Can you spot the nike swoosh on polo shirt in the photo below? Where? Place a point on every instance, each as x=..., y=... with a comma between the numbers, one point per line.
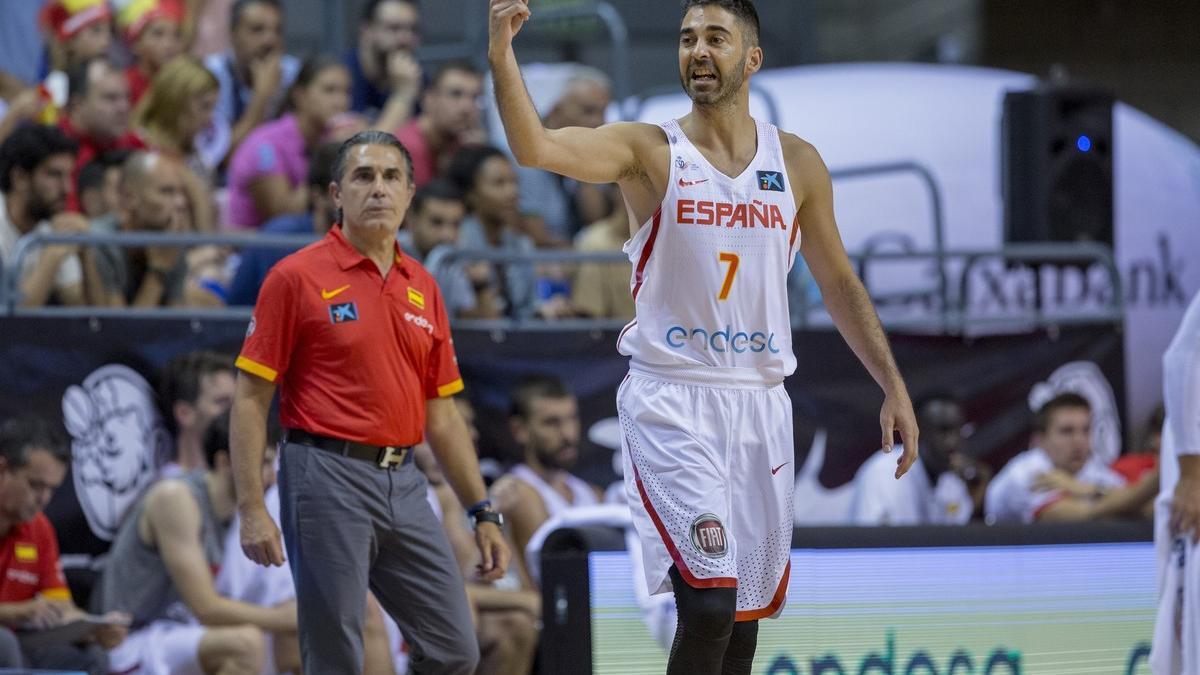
x=329, y=295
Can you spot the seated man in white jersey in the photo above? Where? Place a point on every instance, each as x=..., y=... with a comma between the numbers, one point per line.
x=1176, y=647
x=932, y=493
x=719, y=205
x=545, y=423
x=1023, y=493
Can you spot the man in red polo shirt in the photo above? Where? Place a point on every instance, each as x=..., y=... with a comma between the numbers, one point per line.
x=33, y=591
x=355, y=335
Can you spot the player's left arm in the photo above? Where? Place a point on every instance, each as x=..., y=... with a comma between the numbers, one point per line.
x=844, y=294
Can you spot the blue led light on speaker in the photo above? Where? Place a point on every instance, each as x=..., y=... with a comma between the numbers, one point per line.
x=1083, y=143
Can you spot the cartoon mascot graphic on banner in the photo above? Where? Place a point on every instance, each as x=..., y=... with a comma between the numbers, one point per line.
x=118, y=441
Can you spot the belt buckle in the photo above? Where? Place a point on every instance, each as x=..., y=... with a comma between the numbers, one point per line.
x=391, y=456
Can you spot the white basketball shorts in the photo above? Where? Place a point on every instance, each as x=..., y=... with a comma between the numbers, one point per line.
x=708, y=472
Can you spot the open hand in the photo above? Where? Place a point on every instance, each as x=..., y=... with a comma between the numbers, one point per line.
x=1185, y=509
x=897, y=415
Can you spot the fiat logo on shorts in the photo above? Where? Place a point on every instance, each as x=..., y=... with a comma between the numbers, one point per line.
x=708, y=536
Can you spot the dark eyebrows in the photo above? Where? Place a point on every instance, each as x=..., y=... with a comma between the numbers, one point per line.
x=711, y=28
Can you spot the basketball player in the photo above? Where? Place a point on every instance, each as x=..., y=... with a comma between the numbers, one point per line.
x=1176, y=647
x=720, y=204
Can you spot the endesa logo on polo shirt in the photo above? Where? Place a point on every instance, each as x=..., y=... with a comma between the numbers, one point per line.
x=343, y=312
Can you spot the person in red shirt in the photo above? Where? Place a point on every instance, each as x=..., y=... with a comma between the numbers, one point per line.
x=449, y=119
x=98, y=114
x=153, y=31
x=33, y=591
x=1133, y=465
x=354, y=334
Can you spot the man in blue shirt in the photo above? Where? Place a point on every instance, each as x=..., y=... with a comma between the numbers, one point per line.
x=385, y=77
x=254, y=76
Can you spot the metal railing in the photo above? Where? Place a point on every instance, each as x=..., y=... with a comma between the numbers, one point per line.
x=946, y=306
x=10, y=282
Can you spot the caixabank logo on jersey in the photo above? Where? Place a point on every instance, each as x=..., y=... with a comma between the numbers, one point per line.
x=708, y=536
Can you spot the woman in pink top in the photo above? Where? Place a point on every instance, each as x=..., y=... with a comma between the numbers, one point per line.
x=268, y=170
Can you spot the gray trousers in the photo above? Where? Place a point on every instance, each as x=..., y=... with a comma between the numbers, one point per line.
x=349, y=525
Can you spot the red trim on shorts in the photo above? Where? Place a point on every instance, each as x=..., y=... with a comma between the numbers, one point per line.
x=776, y=601
x=691, y=579
x=641, y=268
x=1039, y=510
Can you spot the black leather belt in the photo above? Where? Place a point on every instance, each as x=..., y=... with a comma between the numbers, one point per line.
x=386, y=456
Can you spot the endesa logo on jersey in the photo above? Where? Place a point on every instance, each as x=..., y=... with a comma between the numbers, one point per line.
x=725, y=214
x=721, y=341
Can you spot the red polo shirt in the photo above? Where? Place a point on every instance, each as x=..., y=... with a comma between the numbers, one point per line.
x=29, y=563
x=356, y=355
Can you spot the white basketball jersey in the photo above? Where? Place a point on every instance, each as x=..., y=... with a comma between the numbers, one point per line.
x=710, y=267
x=582, y=494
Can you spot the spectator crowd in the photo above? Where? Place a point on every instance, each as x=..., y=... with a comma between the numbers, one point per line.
x=191, y=116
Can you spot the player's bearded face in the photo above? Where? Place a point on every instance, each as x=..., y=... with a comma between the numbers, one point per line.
x=708, y=83
x=561, y=455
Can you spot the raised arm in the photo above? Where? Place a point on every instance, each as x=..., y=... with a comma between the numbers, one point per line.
x=604, y=155
x=845, y=297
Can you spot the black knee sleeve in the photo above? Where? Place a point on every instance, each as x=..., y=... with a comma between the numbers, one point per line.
x=705, y=624
x=706, y=612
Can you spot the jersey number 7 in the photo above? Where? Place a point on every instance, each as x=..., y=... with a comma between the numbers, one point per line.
x=730, y=273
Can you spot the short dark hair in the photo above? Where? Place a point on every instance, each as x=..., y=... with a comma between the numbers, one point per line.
x=1068, y=399
x=531, y=387
x=182, y=377
x=239, y=8
x=933, y=396
x=372, y=6
x=30, y=145
x=438, y=188
x=216, y=438
x=371, y=137
x=742, y=9
x=92, y=173
x=320, y=165
x=453, y=66
x=310, y=68
x=20, y=435
x=79, y=80
x=463, y=171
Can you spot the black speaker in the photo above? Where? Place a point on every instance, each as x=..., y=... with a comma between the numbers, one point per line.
x=1057, y=165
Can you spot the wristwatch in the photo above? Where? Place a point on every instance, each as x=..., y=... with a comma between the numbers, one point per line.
x=489, y=516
